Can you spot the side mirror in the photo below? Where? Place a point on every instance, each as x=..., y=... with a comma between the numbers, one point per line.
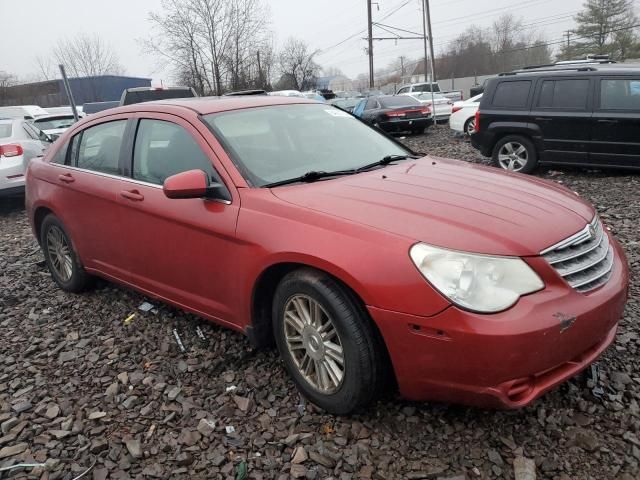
x=193, y=184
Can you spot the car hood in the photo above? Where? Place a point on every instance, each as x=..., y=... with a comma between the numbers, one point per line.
x=451, y=204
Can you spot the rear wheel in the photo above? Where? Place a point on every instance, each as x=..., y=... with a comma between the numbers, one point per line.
x=325, y=342
x=470, y=126
x=418, y=130
x=515, y=153
x=61, y=258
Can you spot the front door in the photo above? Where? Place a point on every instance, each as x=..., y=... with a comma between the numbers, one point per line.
x=181, y=250
x=616, y=128
x=562, y=112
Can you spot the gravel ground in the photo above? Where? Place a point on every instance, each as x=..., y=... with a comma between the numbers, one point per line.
x=80, y=385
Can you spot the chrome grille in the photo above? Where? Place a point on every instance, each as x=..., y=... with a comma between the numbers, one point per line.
x=585, y=259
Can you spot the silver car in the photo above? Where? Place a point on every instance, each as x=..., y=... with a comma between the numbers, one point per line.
x=20, y=141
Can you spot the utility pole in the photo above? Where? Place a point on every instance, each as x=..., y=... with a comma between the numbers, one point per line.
x=260, y=82
x=424, y=36
x=568, y=35
x=370, y=50
x=428, y=12
x=401, y=67
x=67, y=88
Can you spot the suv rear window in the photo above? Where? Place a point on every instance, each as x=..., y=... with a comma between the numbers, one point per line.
x=512, y=94
x=570, y=94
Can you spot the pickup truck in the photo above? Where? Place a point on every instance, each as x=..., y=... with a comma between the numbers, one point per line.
x=453, y=95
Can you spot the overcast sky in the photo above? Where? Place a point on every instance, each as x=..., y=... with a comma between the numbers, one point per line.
x=34, y=25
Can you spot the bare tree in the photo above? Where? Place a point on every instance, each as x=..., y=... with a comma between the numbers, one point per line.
x=214, y=45
x=6, y=81
x=297, y=63
x=86, y=56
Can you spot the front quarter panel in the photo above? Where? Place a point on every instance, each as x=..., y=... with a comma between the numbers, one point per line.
x=375, y=264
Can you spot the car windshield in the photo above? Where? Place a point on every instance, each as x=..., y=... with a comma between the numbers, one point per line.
x=398, y=101
x=51, y=123
x=276, y=143
x=5, y=130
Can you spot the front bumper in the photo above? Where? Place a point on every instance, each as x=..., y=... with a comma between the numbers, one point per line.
x=508, y=359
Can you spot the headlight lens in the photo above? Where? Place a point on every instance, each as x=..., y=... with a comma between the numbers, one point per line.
x=481, y=283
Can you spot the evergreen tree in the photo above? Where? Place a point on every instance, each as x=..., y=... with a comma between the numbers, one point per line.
x=606, y=27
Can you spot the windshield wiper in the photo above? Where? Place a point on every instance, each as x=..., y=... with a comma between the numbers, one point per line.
x=311, y=176
x=384, y=161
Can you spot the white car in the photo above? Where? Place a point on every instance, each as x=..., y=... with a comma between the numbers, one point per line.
x=287, y=93
x=65, y=110
x=463, y=118
x=440, y=105
x=20, y=142
x=55, y=125
x=22, y=111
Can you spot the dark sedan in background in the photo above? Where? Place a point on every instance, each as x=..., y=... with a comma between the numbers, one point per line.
x=394, y=113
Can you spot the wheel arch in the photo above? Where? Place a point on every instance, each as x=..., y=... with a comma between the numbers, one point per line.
x=260, y=330
x=39, y=215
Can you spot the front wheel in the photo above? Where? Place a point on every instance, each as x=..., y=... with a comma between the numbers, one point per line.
x=61, y=258
x=515, y=153
x=325, y=342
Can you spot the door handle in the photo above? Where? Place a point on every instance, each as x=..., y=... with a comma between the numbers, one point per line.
x=542, y=119
x=66, y=178
x=607, y=120
x=132, y=195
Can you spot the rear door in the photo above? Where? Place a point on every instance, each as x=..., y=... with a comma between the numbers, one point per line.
x=89, y=178
x=616, y=128
x=562, y=113
x=183, y=250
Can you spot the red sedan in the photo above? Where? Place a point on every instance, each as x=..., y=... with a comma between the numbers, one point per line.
x=294, y=222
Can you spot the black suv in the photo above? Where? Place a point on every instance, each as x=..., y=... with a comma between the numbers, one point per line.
x=578, y=113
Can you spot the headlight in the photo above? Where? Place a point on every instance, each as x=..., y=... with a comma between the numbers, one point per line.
x=482, y=283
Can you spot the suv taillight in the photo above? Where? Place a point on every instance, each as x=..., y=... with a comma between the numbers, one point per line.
x=11, y=150
x=477, y=124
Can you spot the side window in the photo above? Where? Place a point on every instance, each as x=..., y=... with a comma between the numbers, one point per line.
x=60, y=157
x=163, y=149
x=371, y=104
x=620, y=94
x=359, y=108
x=512, y=94
x=99, y=147
x=564, y=94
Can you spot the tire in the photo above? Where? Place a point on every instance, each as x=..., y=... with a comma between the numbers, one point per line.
x=469, y=126
x=418, y=130
x=515, y=153
x=362, y=372
x=70, y=275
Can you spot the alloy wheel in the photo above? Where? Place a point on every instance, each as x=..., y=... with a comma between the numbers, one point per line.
x=59, y=251
x=314, y=343
x=513, y=156
x=471, y=126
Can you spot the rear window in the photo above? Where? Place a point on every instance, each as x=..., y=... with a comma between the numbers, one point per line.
x=426, y=88
x=5, y=130
x=512, y=94
x=400, y=101
x=150, y=95
x=564, y=94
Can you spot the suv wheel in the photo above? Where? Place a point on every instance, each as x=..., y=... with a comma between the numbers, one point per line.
x=515, y=153
x=325, y=342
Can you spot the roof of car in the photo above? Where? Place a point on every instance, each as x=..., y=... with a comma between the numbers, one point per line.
x=207, y=105
x=581, y=68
